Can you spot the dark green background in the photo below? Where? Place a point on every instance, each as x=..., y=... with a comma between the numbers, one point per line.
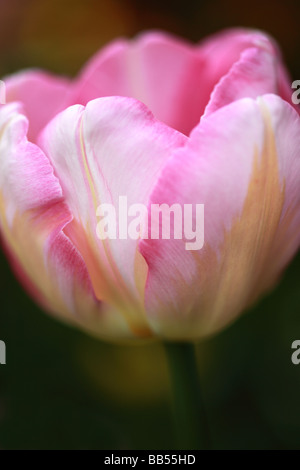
x=61, y=389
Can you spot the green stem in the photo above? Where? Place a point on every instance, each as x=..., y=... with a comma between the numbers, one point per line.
x=189, y=414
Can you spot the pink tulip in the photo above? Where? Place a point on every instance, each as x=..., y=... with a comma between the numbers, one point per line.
x=223, y=133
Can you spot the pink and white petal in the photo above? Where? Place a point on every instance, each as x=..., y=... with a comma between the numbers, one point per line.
x=33, y=216
x=223, y=49
x=112, y=148
x=243, y=64
x=255, y=74
x=41, y=94
x=26, y=176
x=168, y=79
x=157, y=69
x=243, y=164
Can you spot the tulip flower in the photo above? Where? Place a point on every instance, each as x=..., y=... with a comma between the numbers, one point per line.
x=156, y=122
x=159, y=121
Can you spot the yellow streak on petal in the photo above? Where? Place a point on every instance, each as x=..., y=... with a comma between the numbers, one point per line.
x=240, y=274
x=140, y=274
x=106, y=286
x=87, y=170
x=107, y=281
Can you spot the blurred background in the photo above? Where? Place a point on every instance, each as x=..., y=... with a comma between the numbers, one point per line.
x=63, y=390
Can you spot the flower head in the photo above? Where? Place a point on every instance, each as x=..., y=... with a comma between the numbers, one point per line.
x=161, y=122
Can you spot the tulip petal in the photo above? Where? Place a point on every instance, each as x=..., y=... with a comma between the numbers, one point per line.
x=175, y=79
x=33, y=220
x=243, y=64
x=252, y=76
x=243, y=163
x=110, y=149
x=41, y=95
x=157, y=69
